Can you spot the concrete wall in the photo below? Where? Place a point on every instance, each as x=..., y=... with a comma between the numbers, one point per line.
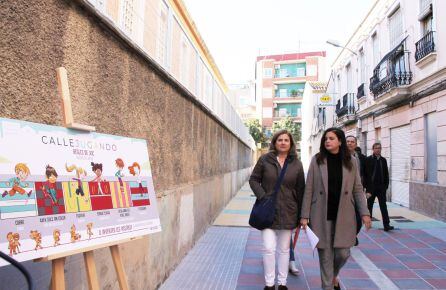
x=197, y=164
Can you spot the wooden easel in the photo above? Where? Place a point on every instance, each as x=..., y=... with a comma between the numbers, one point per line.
x=58, y=261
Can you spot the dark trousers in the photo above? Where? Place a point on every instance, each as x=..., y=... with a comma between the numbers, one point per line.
x=381, y=195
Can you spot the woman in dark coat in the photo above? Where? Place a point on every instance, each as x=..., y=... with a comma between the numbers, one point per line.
x=289, y=200
x=333, y=191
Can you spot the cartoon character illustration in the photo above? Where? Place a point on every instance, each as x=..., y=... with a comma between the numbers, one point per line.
x=49, y=187
x=89, y=230
x=74, y=236
x=17, y=183
x=13, y=243
x=120, y=165
x=81, y=174
x=135, y=170
x=56, y=237
x=97, y=169
x=37, y=237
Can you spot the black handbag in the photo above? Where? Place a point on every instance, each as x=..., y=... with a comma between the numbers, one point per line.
x=263, y=211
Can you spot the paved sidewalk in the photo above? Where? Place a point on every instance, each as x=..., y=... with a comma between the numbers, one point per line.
x=229, y=256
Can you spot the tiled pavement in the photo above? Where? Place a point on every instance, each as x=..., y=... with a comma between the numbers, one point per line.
x=228, y=256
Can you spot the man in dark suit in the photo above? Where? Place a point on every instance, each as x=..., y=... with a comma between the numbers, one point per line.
x=352, y=145
x=376, y=179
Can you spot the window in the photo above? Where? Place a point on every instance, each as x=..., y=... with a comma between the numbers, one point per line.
x=383, y=71
x=430, y=141
x=338, y=91
x=349, y=79
x=424, y=5
x=161, y=43
x=267, y=73
x=364, y=143
x=184, y=60
x=375, y=46
x=283, y=93
x=378, y=134
x=395, y=27
x=426, y=24
x=362, y=66
x=283, y=73
x=300, y=72
x=284, y=110
x=128, y=15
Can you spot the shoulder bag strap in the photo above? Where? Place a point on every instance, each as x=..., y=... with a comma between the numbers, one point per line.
x=279, y=181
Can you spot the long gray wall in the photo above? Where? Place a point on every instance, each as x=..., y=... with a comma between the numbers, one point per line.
x=197, y=164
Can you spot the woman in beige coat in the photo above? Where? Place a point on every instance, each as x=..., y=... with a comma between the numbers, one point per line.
x=333, y=190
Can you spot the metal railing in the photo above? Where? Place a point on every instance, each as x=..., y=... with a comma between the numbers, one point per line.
x=425, y=46
x=360, y=92
x=393, y=71
x=348, y=105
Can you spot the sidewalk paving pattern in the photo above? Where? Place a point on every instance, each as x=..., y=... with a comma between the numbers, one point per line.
x=229, y=255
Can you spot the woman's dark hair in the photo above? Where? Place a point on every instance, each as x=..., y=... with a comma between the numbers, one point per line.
x=49, y=170
x=95, y=166
x=343, y=150
x=272, y=145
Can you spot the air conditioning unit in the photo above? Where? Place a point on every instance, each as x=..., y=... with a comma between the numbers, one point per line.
x=274, y=105
x=276, y=87
x=277, y=66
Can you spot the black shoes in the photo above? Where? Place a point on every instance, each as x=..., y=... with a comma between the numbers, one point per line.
x=282, y=287
x=337, y=287
x=388, y=228
x=356, y=242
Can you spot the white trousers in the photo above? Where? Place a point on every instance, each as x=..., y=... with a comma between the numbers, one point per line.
x=272, y=240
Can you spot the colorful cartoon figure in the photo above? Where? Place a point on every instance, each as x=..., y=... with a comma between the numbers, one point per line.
x=37, y=237
x=81, y=174
x=49, y=187
x=17, y=183
x=74, y=236
x=56, y=237
x=89, y=230
x=97, y=169
x=135, y=170
x=120, y=166
x=13, y=243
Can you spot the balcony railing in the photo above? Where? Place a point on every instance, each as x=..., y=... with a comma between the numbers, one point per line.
x=393, y=71
x=360, y=93
x=278, y=114
x=348, y=105
x=425, y=46
x=292, y=94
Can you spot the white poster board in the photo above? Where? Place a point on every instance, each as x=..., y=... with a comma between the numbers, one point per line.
x=64, y=190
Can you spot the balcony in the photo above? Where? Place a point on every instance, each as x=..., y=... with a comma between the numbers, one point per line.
x=360, y=92
x=425, y=49
x=281, y=114
x=391, y=77
x=290, y=94
x=346, y=111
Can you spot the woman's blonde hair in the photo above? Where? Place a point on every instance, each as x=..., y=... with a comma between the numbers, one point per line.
x=79, y=170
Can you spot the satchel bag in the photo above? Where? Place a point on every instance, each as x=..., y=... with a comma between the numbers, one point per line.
x=263, y=211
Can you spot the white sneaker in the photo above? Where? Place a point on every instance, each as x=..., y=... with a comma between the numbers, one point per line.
x=293, y=269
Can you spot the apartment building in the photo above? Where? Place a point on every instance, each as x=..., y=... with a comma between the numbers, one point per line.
x=280, y=84
x=163, y=31
x=242, y=97
x=389, y=83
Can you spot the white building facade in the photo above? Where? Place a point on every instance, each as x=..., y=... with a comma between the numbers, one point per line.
x=390, y=87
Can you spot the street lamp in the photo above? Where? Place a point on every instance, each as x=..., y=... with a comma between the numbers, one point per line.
x=337, y=44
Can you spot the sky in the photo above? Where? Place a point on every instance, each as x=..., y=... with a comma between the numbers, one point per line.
x=237, y=31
